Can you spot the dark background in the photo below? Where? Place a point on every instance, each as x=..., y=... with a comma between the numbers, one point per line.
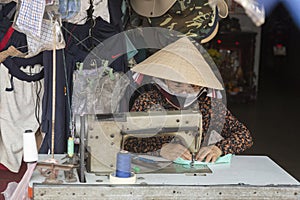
x=273, y=118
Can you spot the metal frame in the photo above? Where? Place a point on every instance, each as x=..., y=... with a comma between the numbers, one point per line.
x=214, y=192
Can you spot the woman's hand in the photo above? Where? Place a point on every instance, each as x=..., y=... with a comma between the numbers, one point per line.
x=210, y=153
x=173, y=151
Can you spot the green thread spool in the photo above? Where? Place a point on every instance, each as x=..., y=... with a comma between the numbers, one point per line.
x=70, y=147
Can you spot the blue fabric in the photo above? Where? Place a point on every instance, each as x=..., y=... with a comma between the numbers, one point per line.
x=60, y=114
x=69, y=8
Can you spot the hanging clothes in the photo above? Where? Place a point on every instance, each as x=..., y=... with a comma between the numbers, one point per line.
x=8, y=35
x=82, y=15
x=17, y=115
x=100, y=9
x=76, y=50
x=14, y=67
x=60, y=106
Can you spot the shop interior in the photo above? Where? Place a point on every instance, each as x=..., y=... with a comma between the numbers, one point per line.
x=259, y=67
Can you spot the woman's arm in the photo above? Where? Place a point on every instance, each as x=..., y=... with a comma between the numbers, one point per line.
x=236, y=136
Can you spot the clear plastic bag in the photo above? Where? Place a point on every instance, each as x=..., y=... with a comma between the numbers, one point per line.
x=97, y=92
x=254, y=10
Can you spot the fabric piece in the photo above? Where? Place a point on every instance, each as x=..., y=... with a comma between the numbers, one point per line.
x=221, y=160
x=81, y=16
x=115, y=12
x=30, y=16
x=18, y=40
x=46, y=39
x=6, y=17
x=101, y=10
x=14, y=65
x=6, y=37
x=11, y=51
x=17, y=115
x=69, y=8
x=61, y=125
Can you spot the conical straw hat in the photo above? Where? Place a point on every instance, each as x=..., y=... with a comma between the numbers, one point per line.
x=182, y=62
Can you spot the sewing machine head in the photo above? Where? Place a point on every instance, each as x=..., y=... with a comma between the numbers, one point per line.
x=106, y=134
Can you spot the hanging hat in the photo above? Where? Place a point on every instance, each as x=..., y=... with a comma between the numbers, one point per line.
x=151, y=8
x=222, y=7
x=181, y=62
x=156, y=8
x=197, y=19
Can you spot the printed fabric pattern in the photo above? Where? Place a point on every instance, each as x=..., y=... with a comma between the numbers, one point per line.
x=194, y=18
x=45, y=41
x=30, y=16
x=236, y=137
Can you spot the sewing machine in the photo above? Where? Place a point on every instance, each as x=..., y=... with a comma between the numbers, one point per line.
x=105, y=134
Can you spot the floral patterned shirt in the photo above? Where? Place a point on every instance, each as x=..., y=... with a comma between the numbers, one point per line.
x=216, y=117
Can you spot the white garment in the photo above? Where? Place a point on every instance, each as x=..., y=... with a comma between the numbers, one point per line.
x=81, y=17
x=17, y=114
x=101, y=9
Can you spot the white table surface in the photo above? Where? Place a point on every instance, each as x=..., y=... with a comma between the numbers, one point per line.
x=249, y=170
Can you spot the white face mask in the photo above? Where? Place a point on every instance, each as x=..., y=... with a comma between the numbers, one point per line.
x=189, y=97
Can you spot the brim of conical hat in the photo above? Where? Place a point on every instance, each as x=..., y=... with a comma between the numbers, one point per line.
x=182, y=62
x=151, y=8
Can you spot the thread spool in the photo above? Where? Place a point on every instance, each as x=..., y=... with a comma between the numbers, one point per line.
x=123, y=169
x=30, y=153
x=70, y=147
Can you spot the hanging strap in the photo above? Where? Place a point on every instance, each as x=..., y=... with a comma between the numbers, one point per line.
x=6, y=38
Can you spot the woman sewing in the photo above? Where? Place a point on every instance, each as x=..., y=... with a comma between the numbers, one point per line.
x=182, y=79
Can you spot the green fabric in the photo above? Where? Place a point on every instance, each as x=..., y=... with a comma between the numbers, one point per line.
x=220, y=160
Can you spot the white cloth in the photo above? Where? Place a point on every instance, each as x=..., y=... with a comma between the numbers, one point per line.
x=17, y=114
x=30, y=16
x=101, y=9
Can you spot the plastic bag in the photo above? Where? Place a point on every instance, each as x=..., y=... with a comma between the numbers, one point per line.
x=69, y=8
x=97, y=92
x=254, y=10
